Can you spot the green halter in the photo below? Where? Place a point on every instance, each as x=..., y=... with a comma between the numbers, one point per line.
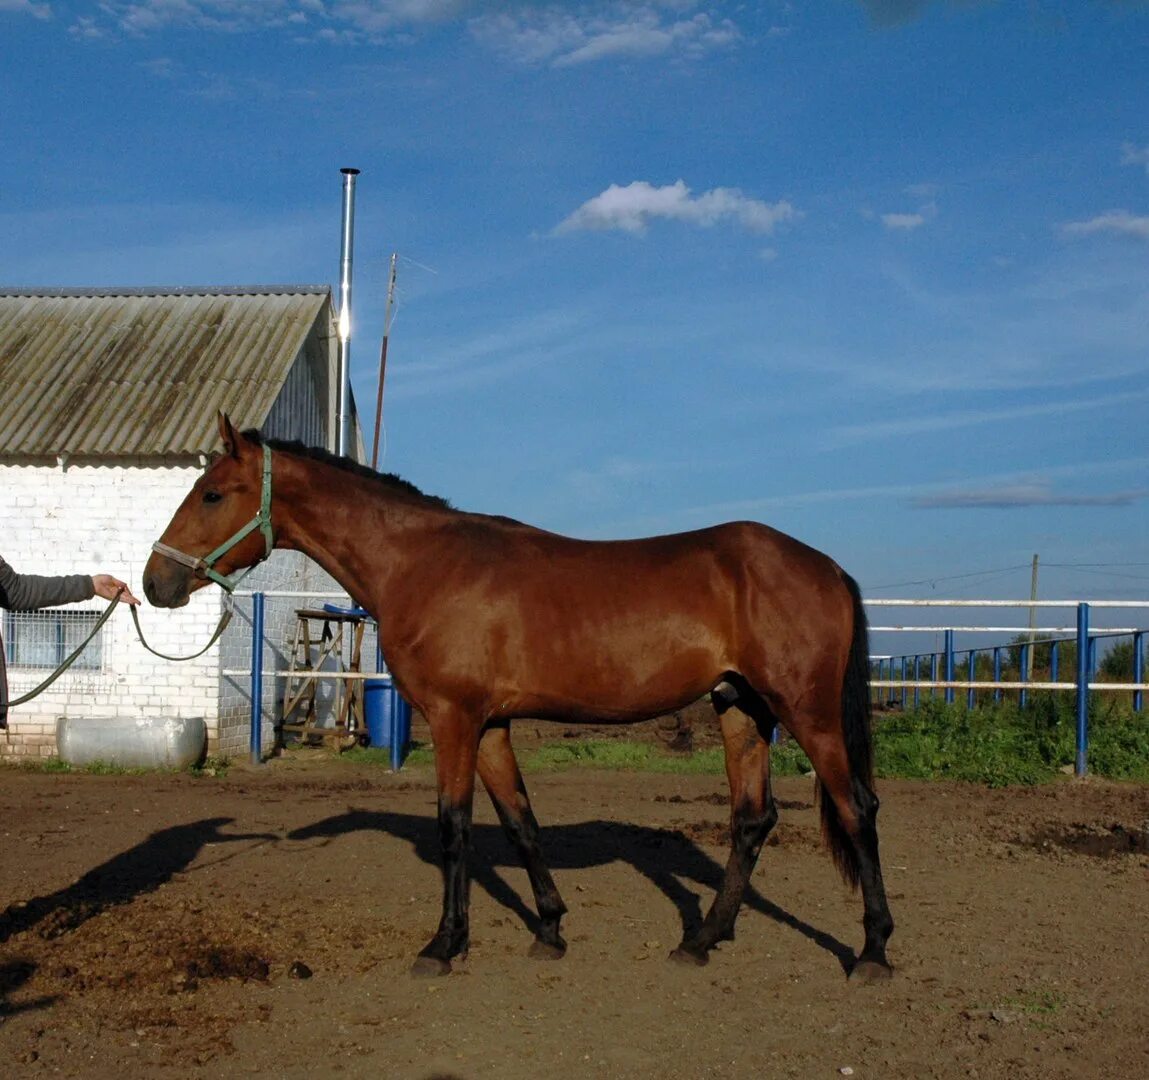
x=205, y=565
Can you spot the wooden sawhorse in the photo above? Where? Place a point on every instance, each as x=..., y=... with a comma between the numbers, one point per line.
x=339, y=645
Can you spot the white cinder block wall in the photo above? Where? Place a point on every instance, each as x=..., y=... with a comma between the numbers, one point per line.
x=104, y=518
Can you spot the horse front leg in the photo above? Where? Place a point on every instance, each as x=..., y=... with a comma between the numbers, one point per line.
x=500, y=774
x=456, y=746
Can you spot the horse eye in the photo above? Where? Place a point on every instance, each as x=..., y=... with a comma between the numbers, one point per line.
x=212, y=496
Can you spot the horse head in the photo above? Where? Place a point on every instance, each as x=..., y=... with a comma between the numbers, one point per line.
x=223, y=525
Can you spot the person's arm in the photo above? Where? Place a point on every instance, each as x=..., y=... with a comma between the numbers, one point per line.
x=26, y=592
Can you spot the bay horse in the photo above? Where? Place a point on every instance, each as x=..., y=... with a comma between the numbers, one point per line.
x=484, y=620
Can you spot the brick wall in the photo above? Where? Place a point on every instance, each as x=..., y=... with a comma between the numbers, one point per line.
x=93, y=518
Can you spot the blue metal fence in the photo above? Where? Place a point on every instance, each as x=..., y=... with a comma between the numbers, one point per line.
x=890, y=672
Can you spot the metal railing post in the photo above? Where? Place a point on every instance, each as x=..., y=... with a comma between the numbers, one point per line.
x=1082, y=687
x=970, y=697
x=997, y=670
x=1054, y=660
x=1023, y=666
x=917, y=679
x=949, y=648
x=1138, y=667
x=257, y=601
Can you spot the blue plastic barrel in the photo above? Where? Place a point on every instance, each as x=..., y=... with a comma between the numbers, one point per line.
x=388, y=716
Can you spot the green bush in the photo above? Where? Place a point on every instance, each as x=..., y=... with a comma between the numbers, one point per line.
x=1003, y=744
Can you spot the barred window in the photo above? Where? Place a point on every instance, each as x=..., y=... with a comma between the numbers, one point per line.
x=45, y=639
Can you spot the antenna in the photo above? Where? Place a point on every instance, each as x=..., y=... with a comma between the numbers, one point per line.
x=383, y=362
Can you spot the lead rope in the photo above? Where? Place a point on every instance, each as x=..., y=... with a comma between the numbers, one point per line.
x=224, y=619
x=69, y=661
x=55, y=674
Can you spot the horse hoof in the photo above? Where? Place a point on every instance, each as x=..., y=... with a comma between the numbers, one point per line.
x=544, y=950
x=429, y=966
x=691, y=957
x=865, y=972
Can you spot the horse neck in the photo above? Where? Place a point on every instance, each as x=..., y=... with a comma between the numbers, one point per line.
x=353, y=526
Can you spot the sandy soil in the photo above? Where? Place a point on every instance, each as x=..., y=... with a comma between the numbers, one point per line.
x=263, y=924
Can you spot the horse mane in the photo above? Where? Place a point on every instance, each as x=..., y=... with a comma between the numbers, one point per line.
x=395, y=483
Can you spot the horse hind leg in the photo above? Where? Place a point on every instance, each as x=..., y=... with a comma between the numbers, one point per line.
x=500, y=774
x=746, y=732
x=849, y=819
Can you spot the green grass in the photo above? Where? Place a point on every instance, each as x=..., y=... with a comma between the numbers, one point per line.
x=1002, y=744
x=210, y=767
x=787, y=759
x=620, y=754
x=95, y=768
x=994, y=745
x=1039, y=1001
x=419, y=754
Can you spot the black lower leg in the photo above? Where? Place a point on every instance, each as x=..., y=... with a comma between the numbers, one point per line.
x=522, y=830
x=749, y=830
x=453, y=936
x=876, y=918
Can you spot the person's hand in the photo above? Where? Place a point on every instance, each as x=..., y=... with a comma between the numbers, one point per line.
x=109, y=588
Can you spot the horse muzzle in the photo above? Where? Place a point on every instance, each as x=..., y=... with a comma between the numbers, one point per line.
x=168, y=586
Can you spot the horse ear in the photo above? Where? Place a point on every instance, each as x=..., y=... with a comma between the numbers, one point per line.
x=229, y=435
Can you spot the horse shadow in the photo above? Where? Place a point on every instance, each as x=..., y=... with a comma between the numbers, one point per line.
x=13, y=975
x=141, y=869
x=665, y=857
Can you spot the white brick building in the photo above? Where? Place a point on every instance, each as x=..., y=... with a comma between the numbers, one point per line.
x=110, y=409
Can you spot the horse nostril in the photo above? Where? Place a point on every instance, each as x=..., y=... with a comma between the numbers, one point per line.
x=154, y=594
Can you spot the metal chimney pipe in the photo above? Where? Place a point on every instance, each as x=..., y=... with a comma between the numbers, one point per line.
x=343, y=398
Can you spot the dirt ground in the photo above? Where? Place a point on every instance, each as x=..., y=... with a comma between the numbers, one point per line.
x=263, y=923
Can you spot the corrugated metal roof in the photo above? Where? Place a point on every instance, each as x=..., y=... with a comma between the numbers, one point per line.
x=143, y=371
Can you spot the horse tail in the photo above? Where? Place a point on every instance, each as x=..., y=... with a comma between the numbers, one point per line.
x=859, y=745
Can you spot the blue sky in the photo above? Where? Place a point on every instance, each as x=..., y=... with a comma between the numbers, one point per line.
x=876, y=273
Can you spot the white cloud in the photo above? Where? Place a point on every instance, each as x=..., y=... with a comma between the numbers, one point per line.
x=631, y=208
x=918, y=495
x=564, y=38
x=909, y=221
x=925, y=423
x=1135, y=155
x=375, y=18
x=903, y=221
x=522, y=31
x=1114, y=221
x=141, y=17
x=502, y=352
x=26, y=7
x=86, y=27
x=1021, y=496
